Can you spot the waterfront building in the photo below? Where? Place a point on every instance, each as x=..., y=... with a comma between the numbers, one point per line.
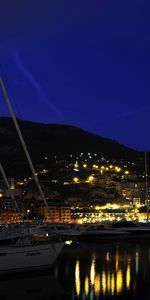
x=58, y=212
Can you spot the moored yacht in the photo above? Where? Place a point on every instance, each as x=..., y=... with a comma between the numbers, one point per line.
x=97, y=232
x=134, y=229
x=27, y=255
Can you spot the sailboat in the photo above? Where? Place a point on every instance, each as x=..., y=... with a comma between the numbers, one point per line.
x=27, y=254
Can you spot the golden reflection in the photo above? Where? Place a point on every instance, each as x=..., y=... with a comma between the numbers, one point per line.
x=119, y=281
x=97, y=285
x=117, y=260
x=108, y=282
x=86, y=285
x=92, y=271
x=128, y=276
x=111, y=281
x=77, y=278
x=104, y=282
x=112, y=284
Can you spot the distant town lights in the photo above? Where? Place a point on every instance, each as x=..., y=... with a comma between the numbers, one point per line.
x=117, y=169
x=95, y=166
x=76, y=164
x=84, y=165
x=97, y=207
x=44, y=171
x=91, y=178
x=76, y=179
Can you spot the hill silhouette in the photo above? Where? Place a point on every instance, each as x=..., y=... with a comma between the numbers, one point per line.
x=55, y=139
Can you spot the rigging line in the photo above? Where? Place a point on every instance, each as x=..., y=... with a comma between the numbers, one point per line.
x=24, y=146
x=146, y=187
x=8, y=186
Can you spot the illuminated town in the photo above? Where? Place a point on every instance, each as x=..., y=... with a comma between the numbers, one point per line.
x=87, y=188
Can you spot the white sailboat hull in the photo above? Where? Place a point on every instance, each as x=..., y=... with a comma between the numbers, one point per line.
x=26, y=258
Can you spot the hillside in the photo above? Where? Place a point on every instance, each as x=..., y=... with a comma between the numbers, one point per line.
x=53, y=139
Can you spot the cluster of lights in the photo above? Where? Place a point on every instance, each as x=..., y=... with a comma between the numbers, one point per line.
x=102, y=168
x=24, y=181
x=90, y=179
x=106, y=217
x=100, y=215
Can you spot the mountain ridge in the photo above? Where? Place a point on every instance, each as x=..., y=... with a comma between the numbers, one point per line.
x=56, y=139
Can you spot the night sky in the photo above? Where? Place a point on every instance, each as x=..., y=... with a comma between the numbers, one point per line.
x=79, y=62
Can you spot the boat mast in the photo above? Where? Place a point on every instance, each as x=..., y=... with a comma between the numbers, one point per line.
x=146, y=185
x=23, y=143
x=8, y=186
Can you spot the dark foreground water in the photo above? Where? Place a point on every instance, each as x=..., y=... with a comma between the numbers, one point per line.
x=88, y=271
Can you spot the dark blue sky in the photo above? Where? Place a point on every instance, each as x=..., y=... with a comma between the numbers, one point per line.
x=80, y=62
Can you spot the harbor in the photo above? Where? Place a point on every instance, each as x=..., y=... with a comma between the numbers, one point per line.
x=74, y=150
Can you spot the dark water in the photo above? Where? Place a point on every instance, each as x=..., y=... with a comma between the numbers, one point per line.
x=88, y=271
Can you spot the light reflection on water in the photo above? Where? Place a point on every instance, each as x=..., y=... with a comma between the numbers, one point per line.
x=107, y=271
x=77, y=277
x=88, y=272
x=108, y=280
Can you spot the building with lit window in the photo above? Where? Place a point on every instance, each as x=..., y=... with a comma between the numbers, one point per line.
x=58, y=211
